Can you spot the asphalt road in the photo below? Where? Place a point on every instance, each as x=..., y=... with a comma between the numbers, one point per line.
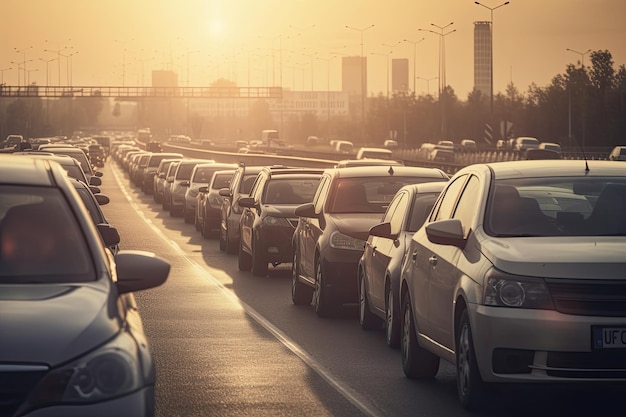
x=227, y=343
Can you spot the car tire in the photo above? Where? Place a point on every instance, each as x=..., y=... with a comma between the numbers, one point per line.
x=244, y=261
x=392, y=321
x=301, y=294
x=472, y=391
x=231, y=247
x=222, y=239
x=196, y=222
x=321, y=297
x=367, y=319
x=417, y=362
x=205, y=230
x=259, y=261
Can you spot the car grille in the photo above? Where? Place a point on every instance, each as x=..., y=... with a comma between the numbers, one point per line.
x=15, y=387
x=589, y=297
x=596, y=364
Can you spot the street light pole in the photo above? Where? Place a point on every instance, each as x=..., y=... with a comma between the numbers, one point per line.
x=428, y=80
x=582, y=55
x=363, y=82
x=414, y=61
x=569, y=99
x=491, y=9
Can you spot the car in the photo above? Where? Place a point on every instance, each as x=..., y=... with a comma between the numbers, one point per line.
x=77, y=345
x=268, y=219
x=167, y=182
x=379, y=268
x=70, y=165
x=138, y=164
x=200, y=175
x=539, y=153
x=209, y=202
x=375, y=153
x=151, y=168
x=178, y=183
x=77, y=154
x=517, y=276
x=330, y=236
x=550, y=145
x=523, y=143
x=442, y=155
x=159, y=178
x=230, y=211
x=618, y=153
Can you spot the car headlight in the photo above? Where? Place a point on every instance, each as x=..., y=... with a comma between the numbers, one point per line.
x=340, y=241
x=276, y=221
x=502, y=290
x=109, y=372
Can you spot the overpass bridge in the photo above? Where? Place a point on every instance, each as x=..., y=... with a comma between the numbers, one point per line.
x=140, y=93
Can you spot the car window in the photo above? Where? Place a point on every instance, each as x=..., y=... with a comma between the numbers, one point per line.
x=467, y=205
x=247, y=183
x=397, y=219
x=448, y=199
x=221, y=181
x=320, y=194
x=392, y=208
x=203, y=174
x=422, y=206
x=258, y=182
x=40, y=240
x=184, y=171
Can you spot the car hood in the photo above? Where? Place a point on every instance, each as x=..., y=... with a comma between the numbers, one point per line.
x=558, y=257
x=53, y=324
x=357, y=225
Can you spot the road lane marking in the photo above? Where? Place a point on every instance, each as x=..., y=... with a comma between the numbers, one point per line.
x=356, y=399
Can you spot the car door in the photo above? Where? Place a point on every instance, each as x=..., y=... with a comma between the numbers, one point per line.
x=424, y=257
x=311, y=229
x=444, y=261
x=380, y=249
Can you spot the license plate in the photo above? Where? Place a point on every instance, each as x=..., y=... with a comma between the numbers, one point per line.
x=609, y=337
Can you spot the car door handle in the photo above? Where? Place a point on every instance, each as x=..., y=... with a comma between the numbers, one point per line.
x=433, y=260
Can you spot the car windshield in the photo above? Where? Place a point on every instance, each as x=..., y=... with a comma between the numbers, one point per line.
x=290, y=191
x=577, y=206
x=40, y=240
x=368, y=194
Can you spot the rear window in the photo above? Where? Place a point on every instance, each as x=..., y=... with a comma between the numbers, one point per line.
x=40, y=240
x=290, y=190
x=221, y=181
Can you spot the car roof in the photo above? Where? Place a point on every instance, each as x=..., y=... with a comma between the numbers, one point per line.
x=556, y=168
x=385, y=171
x=26, y=171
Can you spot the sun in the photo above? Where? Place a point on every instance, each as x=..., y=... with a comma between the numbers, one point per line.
x=216, y=28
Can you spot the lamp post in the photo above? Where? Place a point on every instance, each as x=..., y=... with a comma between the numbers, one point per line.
x=2, y=74
x=387, y=61
x=442, y=69
x=414, y=60
x=47, y=61
x=28, y=75
x=311, y=56
x=68, y=67
x=491, y=9
x=22, y=51
x=428, y=80
x=363, y=82
x=582, y=67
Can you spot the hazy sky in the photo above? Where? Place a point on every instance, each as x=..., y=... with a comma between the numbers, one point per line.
x=118, y=42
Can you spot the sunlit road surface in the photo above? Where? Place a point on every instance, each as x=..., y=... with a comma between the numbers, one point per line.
x=227, y=343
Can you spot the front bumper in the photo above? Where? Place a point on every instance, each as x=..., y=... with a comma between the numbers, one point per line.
x=525, y=345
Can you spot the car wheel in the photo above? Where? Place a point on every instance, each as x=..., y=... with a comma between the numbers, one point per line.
x=471, y=389
x=205, y=231
x=259, y=261
x=301, y=294
x=222, y=239
x=367, y=320
x=392, y=322
x=244, y=262
x=231, y=247
x=417, y=362
x=321, y=298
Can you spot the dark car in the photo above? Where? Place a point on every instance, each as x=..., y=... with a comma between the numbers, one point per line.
x=268, y=219
x=159, y=178
x=200, y=176
x=385, y=250
x=331, y=233
x=150, y=170
x=72, y=339
x=230, y=212
x=209, y=203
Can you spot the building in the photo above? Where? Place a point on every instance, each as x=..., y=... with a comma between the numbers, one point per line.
x=354, y=75
x=399, y=74
x=482, y=57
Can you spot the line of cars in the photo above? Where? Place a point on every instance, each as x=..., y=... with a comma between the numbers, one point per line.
x=76, y=345
x=512, y=271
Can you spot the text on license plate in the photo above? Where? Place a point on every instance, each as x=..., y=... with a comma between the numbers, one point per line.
x=609, y=337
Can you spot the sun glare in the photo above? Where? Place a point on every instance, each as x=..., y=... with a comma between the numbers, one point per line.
x=216, y=28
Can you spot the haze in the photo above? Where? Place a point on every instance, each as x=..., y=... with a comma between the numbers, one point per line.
x=119, y=42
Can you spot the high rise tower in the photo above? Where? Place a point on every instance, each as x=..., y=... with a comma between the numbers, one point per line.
x=482, y=57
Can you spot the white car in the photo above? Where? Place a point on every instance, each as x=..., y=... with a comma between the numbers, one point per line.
x=618, y=153
x=517, y=276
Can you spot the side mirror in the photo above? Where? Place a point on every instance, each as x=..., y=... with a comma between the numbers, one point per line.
x=184, y=183
x=225, y=192
x=94, y=190
x=204, y=189
x=383, y=230
x=247, y=202
x=446, y=232
x=306, y=210
x=98, y=174
x=109, y=234
x=102, y=199
x=93, y=180
x=139, y=270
